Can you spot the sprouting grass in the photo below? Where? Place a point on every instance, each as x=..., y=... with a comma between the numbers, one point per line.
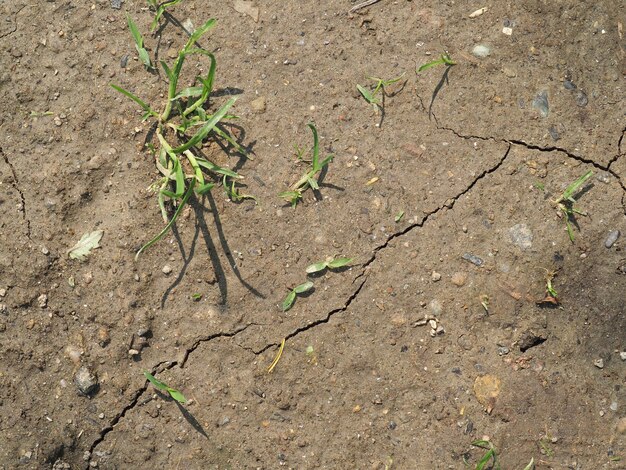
x=291, y=297
x=445, y=59
x=370, y=95
x=271, y=367
x=182, y=126
x=159, y=9
x=490, y=455
x=565, y=203
x=308, y=179
x=175, y=394
x=332, y=263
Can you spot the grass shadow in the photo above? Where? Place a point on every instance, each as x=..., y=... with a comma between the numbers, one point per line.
x=444, y=80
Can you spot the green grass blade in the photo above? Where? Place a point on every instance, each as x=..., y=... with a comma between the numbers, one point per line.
x=531, y=464
x=205, y=188
x=207, y=87
x=316, y=145
x=340, y=262
x=486, y=458
x=209, y=165
x=143, y=53
x=137, y=100
x=289, y=300
x=304, y=287
x=160, y=10
x=231, y=140
x=154, y=381
x=367, y=94
x=573, y=188
x=428, y=65
x=171, y=222
x=197, y=34
x=317, y=267
x=189, y=92
x=206, y=128
x=176, y=395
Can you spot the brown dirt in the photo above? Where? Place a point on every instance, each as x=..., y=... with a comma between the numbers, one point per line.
x=377, y=391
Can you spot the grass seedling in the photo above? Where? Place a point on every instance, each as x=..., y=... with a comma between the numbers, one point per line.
x=271, y=367
x=371, y=95
x=308, y=179
x=490, y=455
x=484, y=301
x=332, y=263
x=399, y=216
x=291, y=297
x=175, y=394
x=159, y=9
x=182, y=126
x=143, y=53
x=565, y=203
x=233, y=192
x=443, y=60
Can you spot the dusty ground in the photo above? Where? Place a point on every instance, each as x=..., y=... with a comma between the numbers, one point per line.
x=377, y=390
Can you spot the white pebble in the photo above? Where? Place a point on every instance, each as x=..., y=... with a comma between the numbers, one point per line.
x=481, y=51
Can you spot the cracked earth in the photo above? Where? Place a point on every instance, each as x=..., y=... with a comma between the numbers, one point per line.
x=381, y=359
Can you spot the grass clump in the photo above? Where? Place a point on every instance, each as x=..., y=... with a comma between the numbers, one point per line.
x=565, y=203
x=309, y=178
x=370, y=95
x=182, y=124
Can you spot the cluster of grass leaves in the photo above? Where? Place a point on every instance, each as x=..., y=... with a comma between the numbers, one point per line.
x=565, y=203
x=182, y=125
x=309, y=178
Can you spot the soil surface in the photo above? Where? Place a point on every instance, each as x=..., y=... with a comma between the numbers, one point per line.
x=434, y=337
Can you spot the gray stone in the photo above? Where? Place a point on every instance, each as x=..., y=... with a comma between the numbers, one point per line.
x=612, y=238
x=521, y=236
x=86, y=381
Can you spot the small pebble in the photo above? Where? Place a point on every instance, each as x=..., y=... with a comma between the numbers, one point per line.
x=473, y=259
x=521, y=236
x=166, y=269
x=42, y=301
x=621, y=425
x=612, y=238
x=613, y=406
x=581, y=99
x=503, y=351
x=481, y=51
x=435, y=276
x=103, y=336
x=622, y=355
x=554, y=133
x=569, y=85
x=599, y=363
x=3, y=309
x=459, y=279
x=509, y=73
x=259, y=105
x=86, y=381
x=3, y=292
x=116, y=4
x=436, y=307
x=392, y=425
x=540, y=103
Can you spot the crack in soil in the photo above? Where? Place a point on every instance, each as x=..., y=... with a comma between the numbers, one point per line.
x=449, y=204
x=160, y=367
x=16, y=185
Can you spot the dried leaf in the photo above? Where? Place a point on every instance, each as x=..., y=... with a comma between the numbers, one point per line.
x=487, y=389
x=88, y=242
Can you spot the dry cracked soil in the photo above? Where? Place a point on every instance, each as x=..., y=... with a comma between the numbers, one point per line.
x=441, y=331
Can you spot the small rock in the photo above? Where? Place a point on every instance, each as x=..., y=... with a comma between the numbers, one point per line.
x=103, y=336
x=436, y=307
x=530, y=339
x=481, y=51
x=440, y=330
x=569, y=85
x=259, y=105
x=435, y=276
x=133, y=352
x=224, y=421
x=143, y=331
x=3, y=292
x=475, y=260
x=459, y=278
x=392, y=425
x=613, y=406
x=581, y=99
x=621, y=426
x=612, y=238
x=554, y=133
x=86, y=381
x=622, y=355
x=599, y=363
x=521, y=236
x=503, y=351
x=510, y=73
x=433, y=324
x=42, y=301
x=540, y=103
x=166, y=269
x=116, y=4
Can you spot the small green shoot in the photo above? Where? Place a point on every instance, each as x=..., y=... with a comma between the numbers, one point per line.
x=34, y=114
x=545, y=447
x=332, y=263
x=490, y=455
x=565, y=203
x=143, y=53
x=443, y=60
x=291, y=297
x=539, y=186
x=159, y=10
x=531, y=464
x=196, y=297
x=233, y=192
x=271, y=367
x=371, y=95
x=484, y=301
x=312, y=356
x=175, y=394
x=399, y=216
x=308, y=179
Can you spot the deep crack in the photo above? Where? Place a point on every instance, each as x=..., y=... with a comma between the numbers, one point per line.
x=16, y=185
